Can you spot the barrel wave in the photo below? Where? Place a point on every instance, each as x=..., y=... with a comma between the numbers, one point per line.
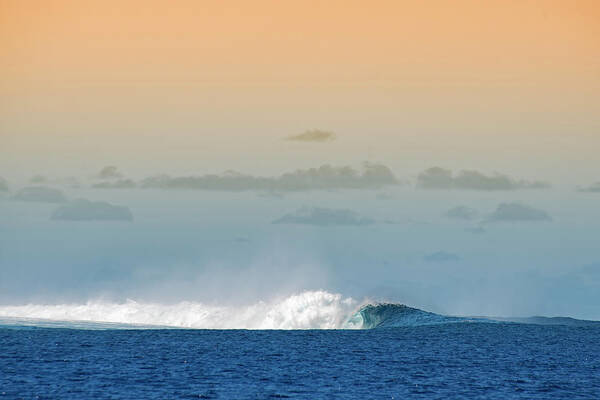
x=389, y=315
x=306, y=310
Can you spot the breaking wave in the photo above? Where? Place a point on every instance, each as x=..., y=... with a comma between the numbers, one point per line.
x=307, y=310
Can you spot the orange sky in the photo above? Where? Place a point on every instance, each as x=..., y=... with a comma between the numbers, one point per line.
x=75, y=72
x=255, y=42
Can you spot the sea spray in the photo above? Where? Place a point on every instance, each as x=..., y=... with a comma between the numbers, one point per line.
x=306, y=310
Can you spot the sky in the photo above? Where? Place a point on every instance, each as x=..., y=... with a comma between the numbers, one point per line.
x=218, y=119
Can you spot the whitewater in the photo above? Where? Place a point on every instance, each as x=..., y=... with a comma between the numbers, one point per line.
x=306, y=310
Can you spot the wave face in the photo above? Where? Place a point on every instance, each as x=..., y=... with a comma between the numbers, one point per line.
x=396, y=315
x=307, y=310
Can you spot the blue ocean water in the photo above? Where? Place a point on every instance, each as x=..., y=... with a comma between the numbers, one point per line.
x=431, y=361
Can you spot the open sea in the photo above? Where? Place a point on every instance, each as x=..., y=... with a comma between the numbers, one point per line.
x=477, y=360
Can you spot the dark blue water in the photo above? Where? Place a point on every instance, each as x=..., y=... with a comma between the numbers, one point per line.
x=460, y=360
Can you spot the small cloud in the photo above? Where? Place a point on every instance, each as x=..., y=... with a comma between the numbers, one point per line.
x=38, y=179
x=70, y=181
x=440, y=178
x=109, y=172
x=384, y=196
x=241, y=239
x=592, y=269
x=593, y=188
x=271, y=195
x=85, y=210
x=3, y=185
x=476, y=230
x=403, y=221
x=314, y=135
x=119, y=184
x=514, y=212
x=441, y=256
x=40, y=194
x=589, y=273
x=324, y=217
x=461, y=212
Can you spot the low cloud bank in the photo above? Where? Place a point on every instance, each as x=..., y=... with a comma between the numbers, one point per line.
x=461, y=212
x=85, y=210
x=3, y=185
x=593, y=188
x=40, y=194
x=324, y=217
x=514, y=212
x=440, y=178
x=314, y=135
x=441, y=256
x=372, y=176
x=119, y=184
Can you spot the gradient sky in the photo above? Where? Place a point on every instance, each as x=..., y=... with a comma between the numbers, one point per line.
x=202, y=86
x=198, y=87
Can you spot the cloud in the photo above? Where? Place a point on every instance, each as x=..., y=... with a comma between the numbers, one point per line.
x=461, y=212
x=593, y=188
x=3, y=185
x=119, y=184
x=593, y=269
x=372, y=176
x=40, y=194
x=70, y=181
x=38, y=179
x=441, y=256
x=271, y=195
x=403, y=221
x=513, y=212
x=440, y=178
x=476, y=230
x=85, y=210
x=109, y=172
x=314, y=135
x=384, y=196
x=324, y=217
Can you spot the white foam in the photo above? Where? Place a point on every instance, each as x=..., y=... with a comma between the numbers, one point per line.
x=306, y=310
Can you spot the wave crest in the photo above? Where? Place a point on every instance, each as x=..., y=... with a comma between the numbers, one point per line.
x=387, y=315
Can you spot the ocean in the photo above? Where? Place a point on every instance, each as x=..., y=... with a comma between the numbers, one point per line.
x=390, y=352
